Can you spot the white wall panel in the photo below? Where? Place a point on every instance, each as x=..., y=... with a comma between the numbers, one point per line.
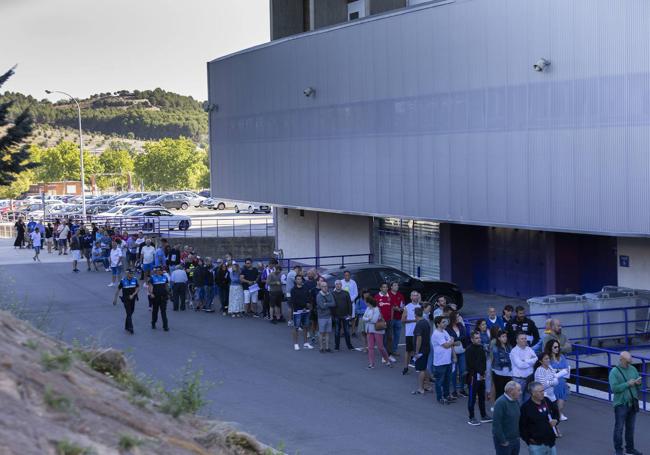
x=439, y=116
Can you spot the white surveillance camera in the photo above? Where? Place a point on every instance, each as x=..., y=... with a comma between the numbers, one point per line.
x=541, y=65
x=309, y=91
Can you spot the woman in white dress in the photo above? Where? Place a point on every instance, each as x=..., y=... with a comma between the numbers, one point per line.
x=236, y=294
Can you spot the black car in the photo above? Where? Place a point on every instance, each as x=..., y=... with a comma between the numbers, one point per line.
x=371, y=276
x=171, y=201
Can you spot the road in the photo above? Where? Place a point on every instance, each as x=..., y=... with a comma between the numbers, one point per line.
x=308, y=402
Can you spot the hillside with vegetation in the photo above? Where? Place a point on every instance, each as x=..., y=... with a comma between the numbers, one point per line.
x=145, y=115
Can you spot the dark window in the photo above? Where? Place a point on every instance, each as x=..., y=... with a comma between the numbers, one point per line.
x=365, y=279
x=389, y=275
x=354, y=15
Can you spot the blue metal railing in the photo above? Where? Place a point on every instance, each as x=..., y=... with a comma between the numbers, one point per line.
x=327, y=261
x=592, y=328
x=588, y=356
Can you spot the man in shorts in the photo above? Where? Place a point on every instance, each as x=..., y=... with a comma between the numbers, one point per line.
x=116, y=263
x=147, y=257
x=422, y=335
x=35, y=240
x=300, y=303
x=248, y=278
x=409, y=321
x=324, y=305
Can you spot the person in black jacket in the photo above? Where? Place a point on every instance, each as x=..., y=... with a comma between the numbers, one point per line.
x=522, y=324
x=301, y=303
x=222, y=279
x=476, y=365
x=456, y=329
x=342, y=315
x=538, y=419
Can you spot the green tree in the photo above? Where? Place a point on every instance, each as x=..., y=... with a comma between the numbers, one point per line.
x=62, y=163
x=171, y=164
x=118, y=162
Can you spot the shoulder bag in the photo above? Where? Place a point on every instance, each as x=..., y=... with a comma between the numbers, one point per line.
x=635, y=403
x=381, y=323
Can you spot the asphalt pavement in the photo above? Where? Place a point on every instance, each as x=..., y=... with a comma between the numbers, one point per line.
x=305, y=402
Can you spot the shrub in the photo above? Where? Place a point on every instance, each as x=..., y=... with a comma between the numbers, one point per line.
x=61, y=361
x=66, y=447
x=55, y=401
x=188, y=397
x=128, y=442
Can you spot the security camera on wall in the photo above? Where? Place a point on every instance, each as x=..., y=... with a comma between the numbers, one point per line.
x=309, y=91
x=541, y=65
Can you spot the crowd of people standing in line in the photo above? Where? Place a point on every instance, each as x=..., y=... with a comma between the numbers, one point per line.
x=499, y=358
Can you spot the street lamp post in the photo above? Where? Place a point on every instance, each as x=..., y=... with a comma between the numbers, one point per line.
x=81, y=151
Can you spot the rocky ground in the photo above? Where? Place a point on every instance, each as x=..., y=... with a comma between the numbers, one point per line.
x=61, y=399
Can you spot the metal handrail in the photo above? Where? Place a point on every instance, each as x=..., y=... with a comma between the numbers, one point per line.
x=581, y=350
x=589, y=325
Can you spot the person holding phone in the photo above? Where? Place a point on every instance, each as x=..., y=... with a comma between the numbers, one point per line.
x=625, y=382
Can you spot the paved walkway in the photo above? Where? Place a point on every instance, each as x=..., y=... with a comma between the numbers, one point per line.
x=309, y=402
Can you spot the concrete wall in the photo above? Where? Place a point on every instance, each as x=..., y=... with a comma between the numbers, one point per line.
x=240, y=247
x=322, y=234
x=444, y=97
x=637, y=275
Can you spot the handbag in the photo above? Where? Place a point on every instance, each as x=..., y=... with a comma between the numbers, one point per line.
x=381, y=323
x=635, y=403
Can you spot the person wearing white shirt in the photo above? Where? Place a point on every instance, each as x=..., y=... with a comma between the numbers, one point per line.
x=350, y=286
x=523, y=359
x=147, y=255
x=408, y=320
x=116, y=264
x=35, y=235
x=442, y=344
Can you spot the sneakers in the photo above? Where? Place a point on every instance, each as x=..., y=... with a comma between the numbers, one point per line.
x=473, y=422
x=462, y=393
x=443, y=401
x=392, y=359
x=486, y=419
x=110, y=285
x=563, y=418
x=370, y=367
x=632, y=452
x=405, y=370
x=307, y=346
x=296, y=347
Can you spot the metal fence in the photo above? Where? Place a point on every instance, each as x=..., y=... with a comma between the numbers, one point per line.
x=327, y=261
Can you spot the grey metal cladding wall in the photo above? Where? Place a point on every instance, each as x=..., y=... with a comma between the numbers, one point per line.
x=435, y=113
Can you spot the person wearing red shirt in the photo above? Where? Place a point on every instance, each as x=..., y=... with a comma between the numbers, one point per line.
x=397, y=303
x=384, y=303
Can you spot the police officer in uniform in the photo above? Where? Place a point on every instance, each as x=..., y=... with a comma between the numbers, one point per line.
x=130, y=287
x=158, y=291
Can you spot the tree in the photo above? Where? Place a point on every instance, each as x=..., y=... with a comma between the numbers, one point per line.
x=171, y=164
x=117, y=162
x=14, y=154
x=62, y=163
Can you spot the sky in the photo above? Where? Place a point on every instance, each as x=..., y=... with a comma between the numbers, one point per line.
x=93, y=46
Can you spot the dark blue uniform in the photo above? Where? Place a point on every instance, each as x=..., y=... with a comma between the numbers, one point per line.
x=129, y=288
x=159, y=284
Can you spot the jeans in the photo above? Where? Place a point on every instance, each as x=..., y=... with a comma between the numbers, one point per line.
x=541, y=450
x=397, y=333
x=458, y=376
x=625, y=417
x=476, y=389
x=442, y=373
x=523, y=382
x=511, y=449
x=342, y=323
x=376, y=339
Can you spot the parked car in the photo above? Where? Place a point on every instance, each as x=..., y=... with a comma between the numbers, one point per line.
x=371, y=276
x=94, y=209
x=118, y=210
x=144, y=200
x=164, y=217
x=252, y=208
x=213, y=203
x=194, y=199
x=204, y=193
x=172, y=201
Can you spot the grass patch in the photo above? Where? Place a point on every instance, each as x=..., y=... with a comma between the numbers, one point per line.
x=66, y=447
x=61, y=362
x=128, y=442
x=56, y=402
x=188, y=397
x=31, y=344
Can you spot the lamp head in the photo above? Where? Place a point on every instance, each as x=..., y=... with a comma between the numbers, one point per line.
x=48, y=91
